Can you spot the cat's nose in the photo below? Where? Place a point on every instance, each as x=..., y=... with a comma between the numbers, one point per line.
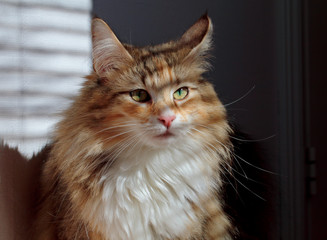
x=167, y=120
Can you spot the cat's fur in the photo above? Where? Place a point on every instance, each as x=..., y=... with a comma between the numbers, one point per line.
x=117, y=170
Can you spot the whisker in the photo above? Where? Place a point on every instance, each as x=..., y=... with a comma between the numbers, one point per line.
x=239, y=99
x=117, y=135
x=255, y=194
x=253, y=140
x=244, y=174
x=243, y=185
x=250, y=164
x=115, y=127
x=235, y=155
x=124, y=146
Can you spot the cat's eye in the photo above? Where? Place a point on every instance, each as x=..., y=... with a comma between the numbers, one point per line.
x=180, y=93
x=140, y=95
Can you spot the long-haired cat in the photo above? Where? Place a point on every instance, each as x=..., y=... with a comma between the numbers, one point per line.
x=140, y=153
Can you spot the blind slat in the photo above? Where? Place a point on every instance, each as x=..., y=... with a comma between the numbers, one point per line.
x=44, y=17
x=80, y=5
x=57, y=62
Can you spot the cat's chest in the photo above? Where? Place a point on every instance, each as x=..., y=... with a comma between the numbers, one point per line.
x=152, y=200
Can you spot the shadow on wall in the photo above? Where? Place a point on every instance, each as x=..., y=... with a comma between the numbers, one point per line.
x=18, y=191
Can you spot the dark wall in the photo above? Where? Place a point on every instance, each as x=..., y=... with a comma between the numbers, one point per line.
x=316, y=84
x=245, y=76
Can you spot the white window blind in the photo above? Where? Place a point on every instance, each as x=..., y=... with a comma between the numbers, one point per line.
x=44, y=53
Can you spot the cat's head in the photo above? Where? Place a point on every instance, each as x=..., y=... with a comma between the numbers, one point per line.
x=154, y=95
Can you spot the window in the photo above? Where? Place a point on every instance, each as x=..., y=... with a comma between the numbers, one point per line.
x=44, y=53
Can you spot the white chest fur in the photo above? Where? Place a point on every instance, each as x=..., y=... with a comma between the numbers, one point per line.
x=147, y=196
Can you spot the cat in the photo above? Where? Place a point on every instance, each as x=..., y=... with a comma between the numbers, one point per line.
x=141, y=151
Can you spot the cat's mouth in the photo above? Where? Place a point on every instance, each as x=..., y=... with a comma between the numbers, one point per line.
x=162, y=139
x=165, y=135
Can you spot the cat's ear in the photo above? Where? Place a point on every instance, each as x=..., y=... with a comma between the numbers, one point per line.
x=198, y=38
x=108, y=52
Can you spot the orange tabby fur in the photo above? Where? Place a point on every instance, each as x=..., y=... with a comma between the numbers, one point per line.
x=88, y=153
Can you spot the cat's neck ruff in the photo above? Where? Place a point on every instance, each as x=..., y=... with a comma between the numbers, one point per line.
x=148, y=195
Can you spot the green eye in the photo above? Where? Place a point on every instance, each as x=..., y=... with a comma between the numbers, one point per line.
x=140, y=95
x=181, y=93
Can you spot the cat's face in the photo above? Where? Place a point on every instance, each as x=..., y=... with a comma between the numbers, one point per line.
x=154, y=96
x=162, y=104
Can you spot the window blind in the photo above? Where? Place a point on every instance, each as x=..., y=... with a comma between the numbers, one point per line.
x=44, y=53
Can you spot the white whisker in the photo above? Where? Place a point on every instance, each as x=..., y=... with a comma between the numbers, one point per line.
x=239, y=99
x=247, y=188
x=222, y=165
x=235, y=155
x=253, y=140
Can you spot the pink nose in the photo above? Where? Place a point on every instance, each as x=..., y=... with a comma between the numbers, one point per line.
x=167, y=120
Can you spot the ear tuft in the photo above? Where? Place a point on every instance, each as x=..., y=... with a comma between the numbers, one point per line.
x=198, y=32
x=108, y=52
x=198, y=38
